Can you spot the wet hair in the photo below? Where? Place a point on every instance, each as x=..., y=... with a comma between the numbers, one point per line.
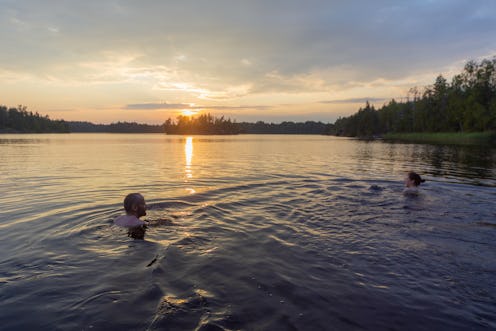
x=416, y=178
x=132, y=199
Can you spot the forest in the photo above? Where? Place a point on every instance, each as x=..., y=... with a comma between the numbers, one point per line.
x=19, y=120
x=308, y=127
x=203, y=124
x=208, y=124
x=119, y=127
x=13, y=120
x=466, y=104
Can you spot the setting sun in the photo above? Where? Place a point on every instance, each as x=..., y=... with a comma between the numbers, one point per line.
x=188, y=112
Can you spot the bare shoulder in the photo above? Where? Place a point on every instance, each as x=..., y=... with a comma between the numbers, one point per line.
x=128, y=221
x=411, y=191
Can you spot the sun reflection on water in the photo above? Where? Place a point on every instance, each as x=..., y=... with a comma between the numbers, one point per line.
x=188, y=152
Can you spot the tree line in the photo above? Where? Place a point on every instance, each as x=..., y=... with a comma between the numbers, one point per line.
x=20, y=120
x=203, y=124
x=119, y=127
x=208, y=124
x=308, y=127
x=466, y=104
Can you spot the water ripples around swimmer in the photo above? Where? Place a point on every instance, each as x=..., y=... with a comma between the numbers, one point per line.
x=301, y=253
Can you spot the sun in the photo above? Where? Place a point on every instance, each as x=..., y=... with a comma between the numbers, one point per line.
x=188, y=112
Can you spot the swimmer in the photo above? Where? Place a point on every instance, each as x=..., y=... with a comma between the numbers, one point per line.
x=412, y=182
x=135, y=207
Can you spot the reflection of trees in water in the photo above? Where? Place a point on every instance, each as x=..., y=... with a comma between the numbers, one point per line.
x=465, y=161
x=365, y=153
x=371, y=156
x=21, y=141
x=435, y=155
x=471, y=162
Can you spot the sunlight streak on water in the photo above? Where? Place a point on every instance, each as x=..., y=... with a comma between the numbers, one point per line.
x=188, y=151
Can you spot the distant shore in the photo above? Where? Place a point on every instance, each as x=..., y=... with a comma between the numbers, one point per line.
x=445, y=138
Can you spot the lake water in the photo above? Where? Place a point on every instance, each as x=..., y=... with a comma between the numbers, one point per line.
x=248, y=232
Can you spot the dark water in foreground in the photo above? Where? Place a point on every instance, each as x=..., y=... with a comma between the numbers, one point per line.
x=251, y=233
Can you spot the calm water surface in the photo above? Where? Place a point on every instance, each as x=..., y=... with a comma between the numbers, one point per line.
x=248, y=233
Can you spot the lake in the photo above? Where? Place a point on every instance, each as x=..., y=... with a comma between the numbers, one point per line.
x=248, y=232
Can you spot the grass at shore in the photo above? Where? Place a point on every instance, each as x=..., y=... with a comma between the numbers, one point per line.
x=448, y=138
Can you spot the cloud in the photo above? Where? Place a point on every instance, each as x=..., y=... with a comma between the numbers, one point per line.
x=356, y=100
x=181, y=106
x=155, y=106
x=210, y=39
x=256, y=107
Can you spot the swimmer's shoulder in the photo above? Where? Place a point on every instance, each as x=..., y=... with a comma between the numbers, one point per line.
x=411, y=191
x=128, y=221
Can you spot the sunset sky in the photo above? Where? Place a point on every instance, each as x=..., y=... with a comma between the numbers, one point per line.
x=145, y=61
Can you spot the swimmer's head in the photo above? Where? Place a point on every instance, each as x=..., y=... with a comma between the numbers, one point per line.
x=413, y=179
x=134, y=204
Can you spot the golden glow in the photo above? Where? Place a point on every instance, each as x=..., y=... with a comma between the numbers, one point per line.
x=188, y=112
x=188, y=152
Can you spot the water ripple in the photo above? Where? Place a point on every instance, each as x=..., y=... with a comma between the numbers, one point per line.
x=268, y=249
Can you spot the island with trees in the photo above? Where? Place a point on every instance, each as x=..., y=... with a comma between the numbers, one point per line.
x=208, y=124
x=202, y=124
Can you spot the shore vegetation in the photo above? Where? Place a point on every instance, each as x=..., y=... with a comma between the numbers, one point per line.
x=19, y=120
x=467, y=104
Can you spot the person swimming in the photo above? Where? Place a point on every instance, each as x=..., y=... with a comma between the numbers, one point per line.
x=412, y=182
x=135, y=206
